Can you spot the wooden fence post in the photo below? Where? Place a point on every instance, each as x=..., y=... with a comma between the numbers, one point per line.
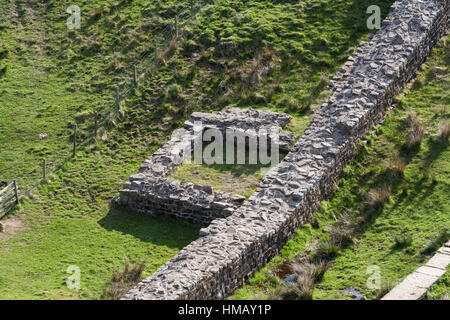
x=191, y=3
x=136, y=84
x=176, y=26
x=117, y=96
x=44, y=169
x=155, y=44
x=95, y=123
x=16, y=190
x=75, y=140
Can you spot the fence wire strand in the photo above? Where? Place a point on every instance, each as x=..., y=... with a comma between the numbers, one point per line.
x=146, y=64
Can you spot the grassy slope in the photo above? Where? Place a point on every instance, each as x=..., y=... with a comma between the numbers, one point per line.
x=55, y=76
x=310, y=39
x=419, y=206
x=441, y=289
x=34, y=99
x=69, y=220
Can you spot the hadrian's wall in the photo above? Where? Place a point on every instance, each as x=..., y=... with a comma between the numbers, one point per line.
x=233, y=248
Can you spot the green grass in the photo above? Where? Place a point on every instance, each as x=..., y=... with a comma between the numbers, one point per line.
x=264, y=54
x=239, y=179
x=70, y=221
x=441, y=289
x=418, y=209
x=242, y=179
x=35, y=261
x=56, y=76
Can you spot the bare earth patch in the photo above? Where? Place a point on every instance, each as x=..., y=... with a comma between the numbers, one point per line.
x=9, y=226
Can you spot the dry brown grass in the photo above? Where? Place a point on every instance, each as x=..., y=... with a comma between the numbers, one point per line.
x=96, y=13
x=327, y=249
x=124, y=280
x=254, y=72
x=379, y=196
x=343, y=232
x=307, y=273
x=173, y=46
x=397, y=166
x=444, y=131
x=415, y=132
x=384, y=290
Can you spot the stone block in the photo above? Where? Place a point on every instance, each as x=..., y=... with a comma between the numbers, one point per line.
x=439, y=260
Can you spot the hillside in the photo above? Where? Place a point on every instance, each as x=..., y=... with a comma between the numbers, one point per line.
x=276, y=55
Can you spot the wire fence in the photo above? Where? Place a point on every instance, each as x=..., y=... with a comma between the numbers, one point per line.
x=85, y=132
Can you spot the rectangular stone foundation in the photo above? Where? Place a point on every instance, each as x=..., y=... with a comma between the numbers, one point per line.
x=152, y=191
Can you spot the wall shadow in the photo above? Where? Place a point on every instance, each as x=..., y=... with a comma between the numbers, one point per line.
x=159, y=230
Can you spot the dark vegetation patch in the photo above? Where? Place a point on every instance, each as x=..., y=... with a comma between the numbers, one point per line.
x=123, y=280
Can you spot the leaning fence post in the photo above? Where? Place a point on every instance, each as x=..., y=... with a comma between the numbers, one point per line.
x=95, y=123
x=155, y=44
x=117, y=96
x=191, y=3
x=176, y=26
x=44, y=169
x=135, y=76
x=16, y=191
x=74, y=139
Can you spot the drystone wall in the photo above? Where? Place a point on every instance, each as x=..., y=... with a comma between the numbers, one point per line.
x=153, y=191
x=244, y=121
x=233, y=248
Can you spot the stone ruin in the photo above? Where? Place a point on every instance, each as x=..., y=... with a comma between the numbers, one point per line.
x=153, y=191
x=231, y=249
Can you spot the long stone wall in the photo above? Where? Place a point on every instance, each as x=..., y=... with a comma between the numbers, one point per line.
x=233, y=248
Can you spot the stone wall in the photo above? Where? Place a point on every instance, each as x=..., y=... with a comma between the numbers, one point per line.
x=182, y=200
x=152, y=191
x=244, y=120
x=233, y=248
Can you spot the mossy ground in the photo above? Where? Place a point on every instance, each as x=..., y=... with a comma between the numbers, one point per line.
x=419, y=207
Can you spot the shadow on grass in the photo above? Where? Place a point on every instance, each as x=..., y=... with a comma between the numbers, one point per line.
x=422, y=188
x=159, y=230
x=435, y=150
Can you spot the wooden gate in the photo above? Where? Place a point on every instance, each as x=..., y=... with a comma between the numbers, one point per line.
x=9, y=197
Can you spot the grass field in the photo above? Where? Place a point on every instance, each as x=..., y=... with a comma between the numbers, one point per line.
x=239, y=179
x=399, y=234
